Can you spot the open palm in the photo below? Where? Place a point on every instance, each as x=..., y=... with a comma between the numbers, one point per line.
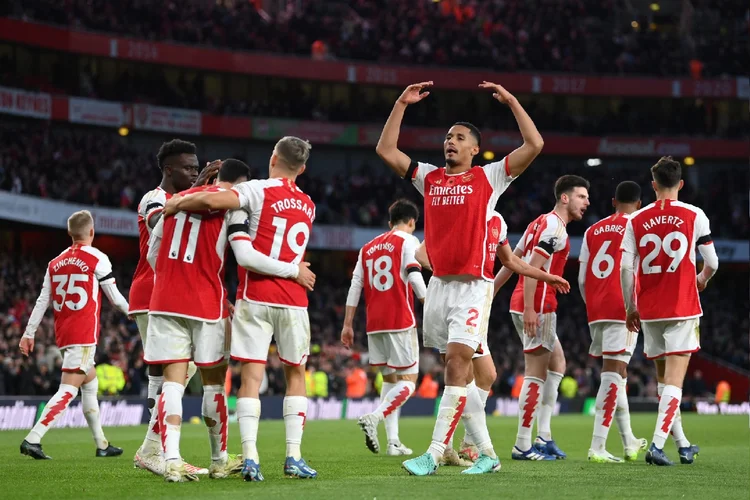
x=414, y=94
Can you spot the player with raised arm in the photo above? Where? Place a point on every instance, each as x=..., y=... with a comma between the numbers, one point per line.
x=74, y=281
x=657, y=240
x=484, y=371
x=280, y=221
x=178, y=164
x=390, y=276
x=533, y=307
x=458, y=202
x=599, y=284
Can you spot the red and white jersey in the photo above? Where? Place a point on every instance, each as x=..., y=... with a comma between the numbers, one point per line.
x=151, y=204
x=72, y=282
x=190, y=264
x=456, y=210
x=548, y=237
x=497, y=235
x=383, y=267
x=603, y=289
x=280, y=222
x=664, y=236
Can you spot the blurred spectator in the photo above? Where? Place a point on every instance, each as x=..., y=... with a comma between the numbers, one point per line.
x=510, y=35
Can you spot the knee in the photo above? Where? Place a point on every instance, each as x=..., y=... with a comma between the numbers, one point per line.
x=486, y=377
x=456, y=368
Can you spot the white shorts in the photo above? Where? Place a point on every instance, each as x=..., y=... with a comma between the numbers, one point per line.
x=612, y=340
x=78, y=358
x=546, y=334
x=396, y=352
x=665, y=338
x=141, y=319
x=172, y=339
x=457, y=312
x=255, y=325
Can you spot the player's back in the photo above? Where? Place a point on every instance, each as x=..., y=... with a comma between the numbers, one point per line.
x=281, y=217
x=602, y=243
x=190, y=264
x=547, y=236
x=76, y=295
x=389, y=300
x=665, y=235
x=151, y=204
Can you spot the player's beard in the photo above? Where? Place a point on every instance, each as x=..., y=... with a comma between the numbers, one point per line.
x=452, y=162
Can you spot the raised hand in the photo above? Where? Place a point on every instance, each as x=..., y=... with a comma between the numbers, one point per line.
x=306, y=277
x=498, y=91
x=211, y=170
x=413, y=93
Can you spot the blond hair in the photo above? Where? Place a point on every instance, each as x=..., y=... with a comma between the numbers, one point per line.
x=293, y=151
x=80, y=224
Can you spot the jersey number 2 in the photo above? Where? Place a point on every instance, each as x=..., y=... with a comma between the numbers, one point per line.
x=174, y=247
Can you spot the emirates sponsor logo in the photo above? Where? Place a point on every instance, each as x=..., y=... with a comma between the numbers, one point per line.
x=450, y=190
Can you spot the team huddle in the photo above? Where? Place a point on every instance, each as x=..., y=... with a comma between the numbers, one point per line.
x=634, y=274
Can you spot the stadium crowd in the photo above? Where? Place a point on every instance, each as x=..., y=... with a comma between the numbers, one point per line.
x=587, y=36
x=120, y=345
x=99, y=168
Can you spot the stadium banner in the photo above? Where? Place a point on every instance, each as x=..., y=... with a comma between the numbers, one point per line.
x=96, y=112
x=120, y=222
x=53, y=213
x=28, y=104
x=162, y=119
x=177, y=120
x=271, y=129
x=170, y=54
x=22, y=413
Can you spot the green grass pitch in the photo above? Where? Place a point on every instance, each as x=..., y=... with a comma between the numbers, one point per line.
x=347, y=470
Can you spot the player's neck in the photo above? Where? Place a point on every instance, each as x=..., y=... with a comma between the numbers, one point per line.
x=562, y=213
x=282, y=175
x=457, y=169
x=625, y=209
x=402, y=227
x=667, y=194
x=224, y=185
x=167, y=186
x=83, y=243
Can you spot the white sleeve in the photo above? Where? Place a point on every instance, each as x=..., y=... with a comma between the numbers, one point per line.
x=358, y=282
x=503, y=231
x=39, y=308
x=412, y=268
x=498, y=173
x=583, y=259
x=250, y=194
x=115, y=297
x=152, y=204
x=583, y=255
x=522, y=242
x=705, y=242
x=627, y=266
x=554, y=237
x=154, y=243
x=418, y=172
x=247, y=256
x=103, y=271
